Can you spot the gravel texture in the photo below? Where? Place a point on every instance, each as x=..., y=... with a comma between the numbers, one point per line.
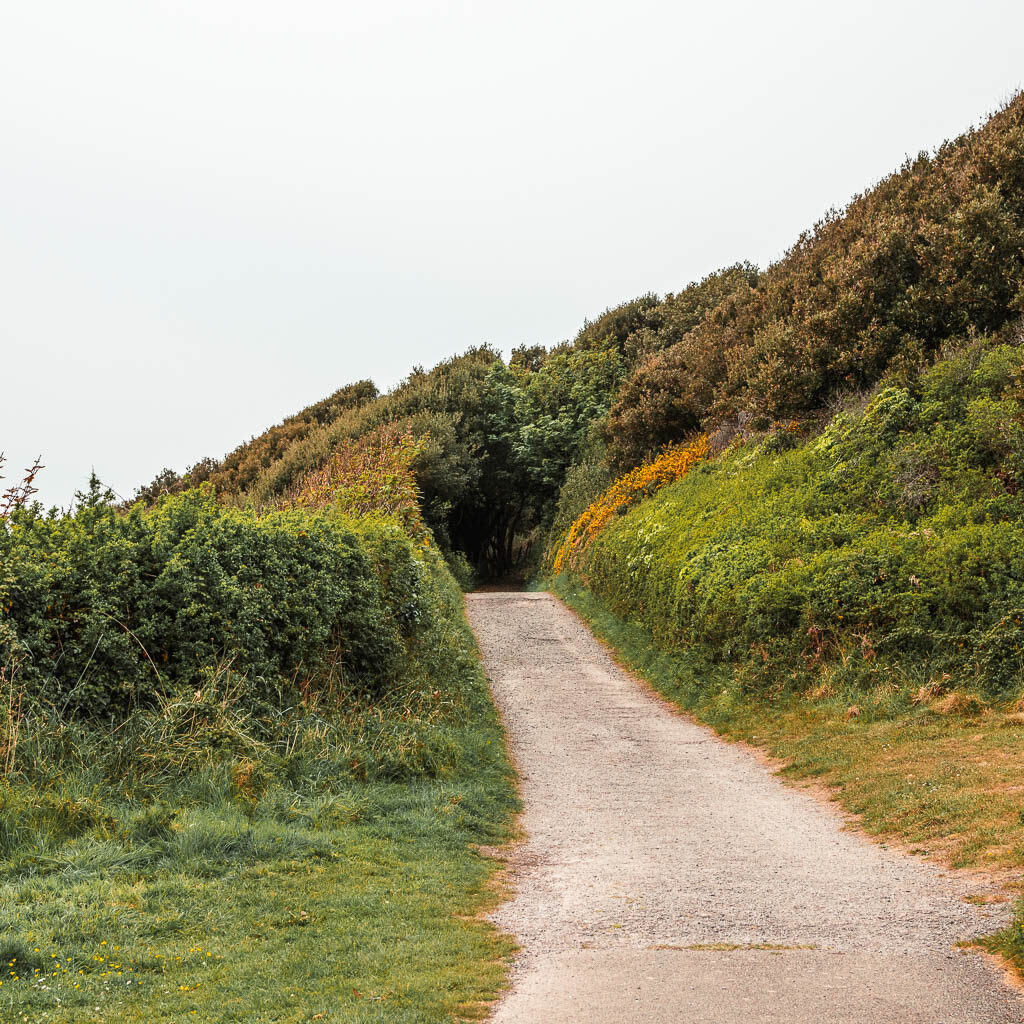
x=649, y=838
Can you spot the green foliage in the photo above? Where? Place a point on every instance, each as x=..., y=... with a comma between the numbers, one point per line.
x=497, y=441
x=887, y=547
x=448, y=406
x=212, y=858
x=555, y=409
x=244, y=757
x=462, y=572
x=586, y=480
x=370, y=476
x=239, y=469
x=106, y=611
x=614, y=327
x=933, y=252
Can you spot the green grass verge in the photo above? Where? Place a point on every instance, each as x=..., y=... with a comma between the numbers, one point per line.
x=313, y=897
x=942, y=784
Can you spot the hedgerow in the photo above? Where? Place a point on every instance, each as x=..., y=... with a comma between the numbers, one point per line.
x=107, y=611
x=888, y=548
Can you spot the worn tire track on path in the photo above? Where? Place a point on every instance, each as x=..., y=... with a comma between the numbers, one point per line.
x=648, y=838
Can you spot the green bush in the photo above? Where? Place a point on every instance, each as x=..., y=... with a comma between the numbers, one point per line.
x=933, y=252
x=105, y=612
x=461, y=570
x=240, y=468
x=887, y=548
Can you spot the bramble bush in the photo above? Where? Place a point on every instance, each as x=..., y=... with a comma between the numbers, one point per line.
x=321, y=638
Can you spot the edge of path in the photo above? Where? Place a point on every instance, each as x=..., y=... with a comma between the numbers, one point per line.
x=824, y=794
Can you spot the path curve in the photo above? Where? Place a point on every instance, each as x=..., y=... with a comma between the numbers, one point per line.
x=650, y=840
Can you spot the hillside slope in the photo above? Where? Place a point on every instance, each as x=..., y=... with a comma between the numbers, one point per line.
x=244, y=754
x=878, y=557
x=931, y=255
x=850, y=600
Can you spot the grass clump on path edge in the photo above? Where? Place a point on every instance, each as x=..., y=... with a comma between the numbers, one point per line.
x=943, y=785
x=329, y=875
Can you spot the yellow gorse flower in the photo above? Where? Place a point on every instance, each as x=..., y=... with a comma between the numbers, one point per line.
x=638, y=483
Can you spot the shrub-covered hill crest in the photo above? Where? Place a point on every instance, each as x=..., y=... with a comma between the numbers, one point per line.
x=931, y=255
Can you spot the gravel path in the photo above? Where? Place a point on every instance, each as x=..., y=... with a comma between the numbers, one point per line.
x=649, y=840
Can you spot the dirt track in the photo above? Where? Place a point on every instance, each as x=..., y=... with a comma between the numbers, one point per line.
x=648, y=838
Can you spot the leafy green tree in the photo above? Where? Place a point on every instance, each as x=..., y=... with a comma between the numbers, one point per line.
x=556, y=407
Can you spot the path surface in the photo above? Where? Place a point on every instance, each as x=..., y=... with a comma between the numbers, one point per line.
x=648, y=838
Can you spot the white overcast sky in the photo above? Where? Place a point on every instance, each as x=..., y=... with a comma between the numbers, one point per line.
x=213, y=213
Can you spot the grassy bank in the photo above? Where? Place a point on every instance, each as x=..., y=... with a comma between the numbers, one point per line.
x=852, y=599
x=277, y=888
x=944, y=785
x=245, y=757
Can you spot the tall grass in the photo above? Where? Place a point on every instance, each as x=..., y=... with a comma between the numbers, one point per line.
x=243, y=755
x=211, y=857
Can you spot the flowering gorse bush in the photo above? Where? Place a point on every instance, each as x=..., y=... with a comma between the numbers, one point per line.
x=639, y=483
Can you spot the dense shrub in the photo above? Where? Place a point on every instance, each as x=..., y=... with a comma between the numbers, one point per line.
x=106, y=610
x=370, y=475
x=672, y=465
x=888, y=547
x=239, y=469
x=934, y=251
x=141, y=848
x=460, y=420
